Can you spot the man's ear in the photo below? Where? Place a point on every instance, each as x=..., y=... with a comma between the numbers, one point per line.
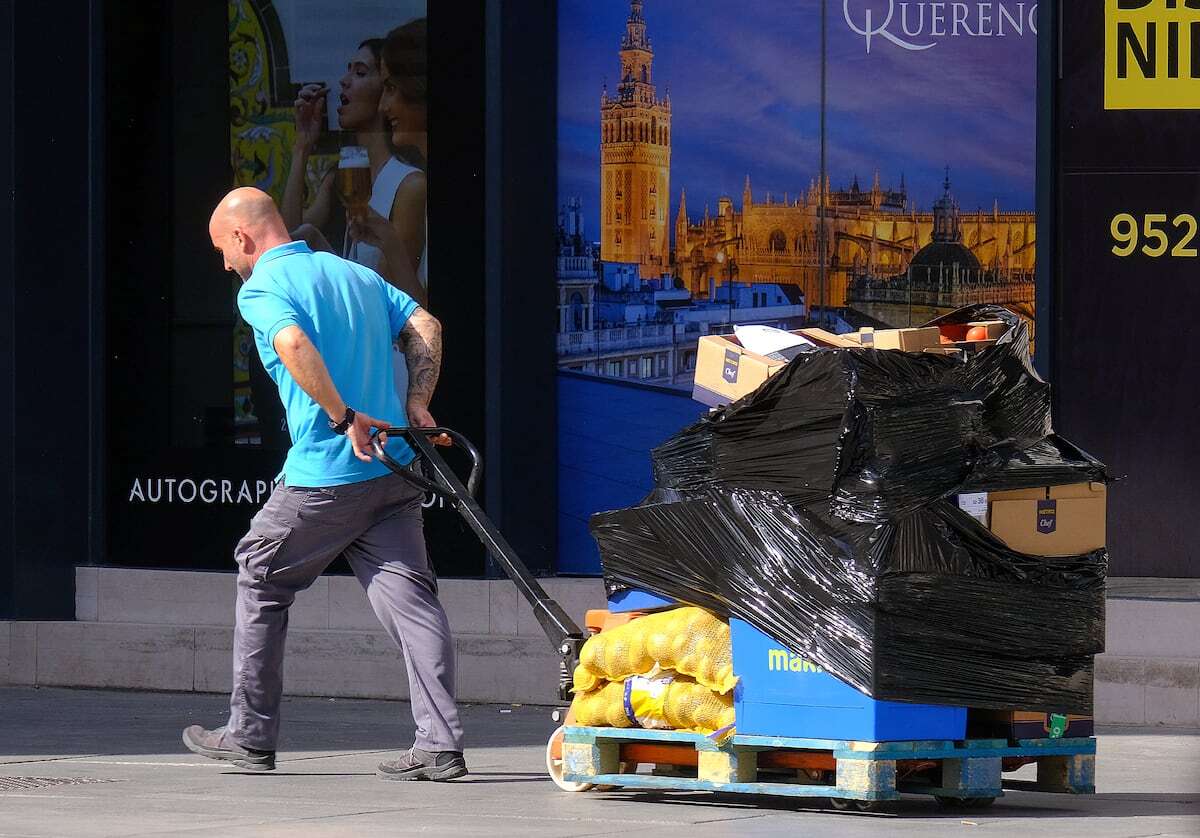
x=244, y=242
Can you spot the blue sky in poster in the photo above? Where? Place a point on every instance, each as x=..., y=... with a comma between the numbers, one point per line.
x=744, y=85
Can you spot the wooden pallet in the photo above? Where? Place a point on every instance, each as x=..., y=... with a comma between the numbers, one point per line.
x=968, y=771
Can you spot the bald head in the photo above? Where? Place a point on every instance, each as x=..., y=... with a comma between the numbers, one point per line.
x=245, y=225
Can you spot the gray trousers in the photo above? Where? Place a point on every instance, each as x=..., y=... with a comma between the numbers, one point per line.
x=377, y=526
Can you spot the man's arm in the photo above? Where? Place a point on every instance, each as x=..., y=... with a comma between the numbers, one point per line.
x=421, y=340
x=308, y=369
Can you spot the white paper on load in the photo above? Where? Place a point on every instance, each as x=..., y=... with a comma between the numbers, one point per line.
x=975, y=504
x=767, y=340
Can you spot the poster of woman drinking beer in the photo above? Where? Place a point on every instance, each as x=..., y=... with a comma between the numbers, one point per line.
x=328, y=110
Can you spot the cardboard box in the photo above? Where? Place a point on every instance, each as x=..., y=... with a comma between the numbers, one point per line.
x=945, y=349
x=823, y=338
x=1052, y=520
x=906, y=340
x=726, y=370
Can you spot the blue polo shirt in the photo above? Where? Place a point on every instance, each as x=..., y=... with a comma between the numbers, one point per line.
x=351, y=315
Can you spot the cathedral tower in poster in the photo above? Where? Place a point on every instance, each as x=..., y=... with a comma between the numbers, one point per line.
x=635, y=159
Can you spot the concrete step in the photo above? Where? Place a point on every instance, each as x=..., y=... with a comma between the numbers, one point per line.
x=206, y=598
x=171, y=630
x=319, y=662
x=1150, y=671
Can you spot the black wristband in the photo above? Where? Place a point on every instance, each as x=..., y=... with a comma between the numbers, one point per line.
x=344, y=425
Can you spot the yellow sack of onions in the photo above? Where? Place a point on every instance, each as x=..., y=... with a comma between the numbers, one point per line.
x=688, y=640
x=660, y=701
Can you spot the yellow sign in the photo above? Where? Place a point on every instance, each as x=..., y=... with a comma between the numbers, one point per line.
x=1151, y=55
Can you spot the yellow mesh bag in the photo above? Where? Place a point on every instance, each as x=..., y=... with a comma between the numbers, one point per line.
x=690, y=641
x=584, y=681
x=603, y=707
x=664, y=701
x=692, y=706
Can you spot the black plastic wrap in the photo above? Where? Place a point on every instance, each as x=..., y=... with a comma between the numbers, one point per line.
x=1016, y=402
x=879, y=433
x=820, y=509
x=933, y=609
x=1052, y=461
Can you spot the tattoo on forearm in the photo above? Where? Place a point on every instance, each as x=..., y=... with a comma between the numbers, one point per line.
x=421, y=340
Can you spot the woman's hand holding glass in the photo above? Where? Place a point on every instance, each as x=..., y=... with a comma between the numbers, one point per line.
x=377, y=231
x=397, y=264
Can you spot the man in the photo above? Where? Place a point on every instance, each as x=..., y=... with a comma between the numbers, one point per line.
x=324, y=328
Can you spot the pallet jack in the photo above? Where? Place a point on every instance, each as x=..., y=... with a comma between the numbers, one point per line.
x=431, y=473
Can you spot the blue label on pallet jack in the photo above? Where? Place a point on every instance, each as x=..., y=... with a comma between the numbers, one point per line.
x=781, y=694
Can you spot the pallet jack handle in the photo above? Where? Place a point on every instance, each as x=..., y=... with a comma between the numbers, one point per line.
x=441, y=480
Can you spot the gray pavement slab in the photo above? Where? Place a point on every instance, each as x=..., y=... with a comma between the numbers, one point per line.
x=1148, y=781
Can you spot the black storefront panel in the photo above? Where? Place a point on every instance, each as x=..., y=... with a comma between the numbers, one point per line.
x=1128, y=364
x=1128, y=232
x=199, y=98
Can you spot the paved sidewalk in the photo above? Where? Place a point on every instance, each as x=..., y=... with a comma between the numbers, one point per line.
x=1148, y=781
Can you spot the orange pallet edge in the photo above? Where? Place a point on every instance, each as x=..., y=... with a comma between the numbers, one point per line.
x=639, y=752
x=600, y=619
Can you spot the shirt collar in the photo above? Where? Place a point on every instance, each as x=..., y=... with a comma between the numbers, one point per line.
x=283, y=250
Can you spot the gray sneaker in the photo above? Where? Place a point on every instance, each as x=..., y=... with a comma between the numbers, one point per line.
x=214, y=744
x=424, y=765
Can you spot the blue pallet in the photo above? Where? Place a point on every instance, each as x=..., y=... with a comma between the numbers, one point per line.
x=962, y=749
x=969, y=770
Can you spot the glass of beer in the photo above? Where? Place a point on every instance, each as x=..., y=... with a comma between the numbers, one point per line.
x=354, y=180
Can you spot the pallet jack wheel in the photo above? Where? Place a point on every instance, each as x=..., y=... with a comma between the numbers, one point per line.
x=554, y=764
x=554, y=767
x=964, y=802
